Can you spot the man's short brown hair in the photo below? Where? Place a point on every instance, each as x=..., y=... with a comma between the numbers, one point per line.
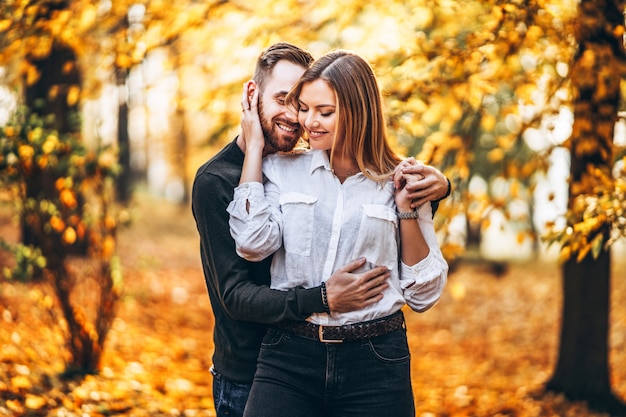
x=278, y=52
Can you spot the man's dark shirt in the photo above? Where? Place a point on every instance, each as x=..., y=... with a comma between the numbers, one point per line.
x=239, y=290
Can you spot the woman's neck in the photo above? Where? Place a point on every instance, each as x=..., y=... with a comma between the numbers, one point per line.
x=343, y=166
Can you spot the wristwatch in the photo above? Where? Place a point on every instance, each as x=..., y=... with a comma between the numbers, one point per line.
x=408, y=214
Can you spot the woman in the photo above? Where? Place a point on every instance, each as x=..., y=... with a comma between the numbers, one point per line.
x=343, y=199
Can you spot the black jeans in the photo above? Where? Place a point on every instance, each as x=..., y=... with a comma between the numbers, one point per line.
x=300, y=377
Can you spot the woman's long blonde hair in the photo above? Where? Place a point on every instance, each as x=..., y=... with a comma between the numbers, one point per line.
x=360, y=118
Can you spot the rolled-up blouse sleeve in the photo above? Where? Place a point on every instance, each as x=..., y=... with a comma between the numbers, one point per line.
x=423, y=283
x=254, y=224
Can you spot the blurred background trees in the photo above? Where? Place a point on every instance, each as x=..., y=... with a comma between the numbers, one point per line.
x=505, y=97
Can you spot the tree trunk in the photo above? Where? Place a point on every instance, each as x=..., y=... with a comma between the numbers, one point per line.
x=582, y=370
x=181, y=154
x=48, y=99
x=124, y=178
x=58, y=72
x=84, y=349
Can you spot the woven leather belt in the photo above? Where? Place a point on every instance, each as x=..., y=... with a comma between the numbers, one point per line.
x=346, y=332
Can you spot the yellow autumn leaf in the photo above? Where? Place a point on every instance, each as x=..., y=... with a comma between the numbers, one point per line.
x=108, y=247
x=32, y=75
x=50, y=144
x=68, y=199
x=87, y=18
x=525, y=92
x=488, y=122
x=42, y=47
x=73, y=95
x=14, y=405
x=433, y=114
x=495, y=155
x=123, y=61
x=68, y=67
x=21, y=382
x=69, y=236
x=35, y=402
x=582, y=252
x=5, y=24
x=80, y=230
x=57, y=223
x=26, y=152
x=110, y=222
x=534, y=33
x=514, y=189
x=53, y=92
x=597, y=245
x=565, y=254
x=42, y=161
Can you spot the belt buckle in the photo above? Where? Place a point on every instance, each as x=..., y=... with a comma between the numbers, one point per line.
x=320, y=332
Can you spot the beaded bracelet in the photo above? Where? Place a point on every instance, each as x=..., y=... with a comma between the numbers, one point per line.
x=325, y=298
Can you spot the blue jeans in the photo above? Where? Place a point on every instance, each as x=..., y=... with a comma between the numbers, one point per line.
x=300, y=377
x=229, y=397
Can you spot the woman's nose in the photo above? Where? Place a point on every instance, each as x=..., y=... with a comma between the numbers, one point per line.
x=311, y=120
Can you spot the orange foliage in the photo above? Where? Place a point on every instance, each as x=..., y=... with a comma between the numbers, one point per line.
x=484, y=350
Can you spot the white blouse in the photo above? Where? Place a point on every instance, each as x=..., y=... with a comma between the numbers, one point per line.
x=314, y=225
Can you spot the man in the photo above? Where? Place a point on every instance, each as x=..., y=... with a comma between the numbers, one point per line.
x=242, y=302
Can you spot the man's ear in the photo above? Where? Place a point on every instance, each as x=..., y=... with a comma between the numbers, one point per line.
x=252, y=88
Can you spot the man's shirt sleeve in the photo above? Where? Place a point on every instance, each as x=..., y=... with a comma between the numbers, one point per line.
x=241, y=287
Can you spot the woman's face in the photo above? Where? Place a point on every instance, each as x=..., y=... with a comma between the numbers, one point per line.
x=317, y=114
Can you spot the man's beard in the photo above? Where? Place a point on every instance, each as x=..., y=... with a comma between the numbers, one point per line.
x=274, y=141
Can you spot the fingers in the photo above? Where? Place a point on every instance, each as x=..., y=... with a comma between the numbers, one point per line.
x=407, y=166
x=420, y=197
x=419, y=201
x=410, y=161
x=416, y=168
x=420, y=189
x=412, y=174
x=399, y=178
x=245, y=104
x=374, y=281
x=350, y=291
x=373, y=289
x=400, y=166
x=376, y=273
x=431, y=188
x=372, y=300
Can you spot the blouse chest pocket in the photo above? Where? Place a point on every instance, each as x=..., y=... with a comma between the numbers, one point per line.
x=377, y=239
x=298, y=211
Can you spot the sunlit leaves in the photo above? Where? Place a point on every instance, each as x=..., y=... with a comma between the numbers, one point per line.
x=596, y=219
x=28, y=261
x=62, y=190
x=463, y=81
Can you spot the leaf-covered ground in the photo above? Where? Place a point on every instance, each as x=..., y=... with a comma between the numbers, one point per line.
x=485, y=350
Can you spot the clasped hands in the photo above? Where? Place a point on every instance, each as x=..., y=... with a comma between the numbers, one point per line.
x=417, y=183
